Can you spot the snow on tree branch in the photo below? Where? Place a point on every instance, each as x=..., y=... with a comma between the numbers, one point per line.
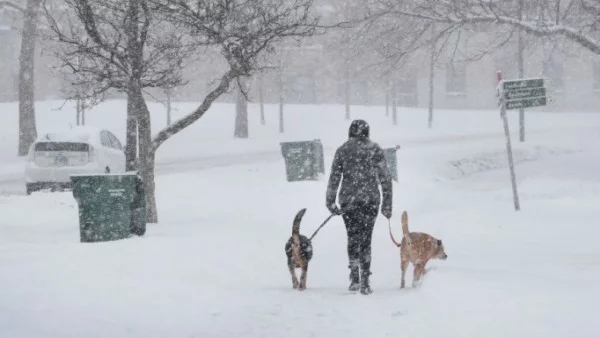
x=108, y=42
x=11, y=5
x=577, y=21
x=242, y=31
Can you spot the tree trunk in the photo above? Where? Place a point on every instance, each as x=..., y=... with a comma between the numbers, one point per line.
x=131, y=137
x=394, y=103
x=261, y=98
x=521, y=74
x=431, y=77
x=169, y=94
x=146, y=152
x=241, y=111
x=135, y=99
x=78, y=111
x=148, y=174
x=281, y=99
x=431, y=85
x=387, y=100
x=82, y=113
x=27, y=127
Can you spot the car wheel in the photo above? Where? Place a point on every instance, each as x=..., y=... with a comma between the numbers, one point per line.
x=29, y=189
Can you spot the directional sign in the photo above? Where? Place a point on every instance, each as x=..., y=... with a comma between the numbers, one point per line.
x=527, y=93
x=526, y=103
x=523, y=84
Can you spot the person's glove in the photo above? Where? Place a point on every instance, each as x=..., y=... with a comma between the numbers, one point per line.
x=333, y=208
x=387, y=212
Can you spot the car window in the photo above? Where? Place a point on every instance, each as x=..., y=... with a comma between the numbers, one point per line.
x=105, y=139
x=115, y=141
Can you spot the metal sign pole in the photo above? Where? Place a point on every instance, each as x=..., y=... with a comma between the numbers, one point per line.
x=510, y=157
x=511, y=165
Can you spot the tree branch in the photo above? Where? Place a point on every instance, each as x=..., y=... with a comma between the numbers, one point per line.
x=540, y=29
x=181, y=124
x=12, y=5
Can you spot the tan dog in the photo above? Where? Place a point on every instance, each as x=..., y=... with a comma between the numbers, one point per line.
x=417, y=248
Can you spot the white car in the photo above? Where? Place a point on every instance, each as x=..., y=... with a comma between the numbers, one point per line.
x=53, y=157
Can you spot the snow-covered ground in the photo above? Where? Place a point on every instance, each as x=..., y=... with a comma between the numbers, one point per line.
x=215, y=267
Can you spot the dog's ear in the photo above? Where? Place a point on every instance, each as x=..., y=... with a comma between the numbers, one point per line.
x=439, y=242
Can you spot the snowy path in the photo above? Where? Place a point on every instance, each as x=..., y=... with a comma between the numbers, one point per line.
x=215, y=267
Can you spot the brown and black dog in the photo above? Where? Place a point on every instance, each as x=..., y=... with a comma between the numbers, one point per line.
x=417, y=248
x=299, y=252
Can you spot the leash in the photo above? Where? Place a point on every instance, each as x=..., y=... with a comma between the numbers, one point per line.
x=323, y=224
x=391, y=235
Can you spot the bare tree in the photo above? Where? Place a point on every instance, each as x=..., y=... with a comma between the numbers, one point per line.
x=126, y=46
x=344, y=44
x=395, y=44
x=141, y=43
x=577, y=21
x=76, y=88
x=418, y=34
x=27, y=125
x=242, y=31
x=121, y=45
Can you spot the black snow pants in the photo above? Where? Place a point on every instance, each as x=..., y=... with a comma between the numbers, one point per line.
x=360, y=221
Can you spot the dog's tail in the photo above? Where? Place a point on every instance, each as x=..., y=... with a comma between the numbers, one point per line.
x=297, y=220
x=404, y=222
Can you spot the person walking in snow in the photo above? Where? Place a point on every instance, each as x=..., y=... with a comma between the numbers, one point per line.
x=360, y=166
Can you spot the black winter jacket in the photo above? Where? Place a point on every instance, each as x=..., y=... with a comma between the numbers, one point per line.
x=360, y=165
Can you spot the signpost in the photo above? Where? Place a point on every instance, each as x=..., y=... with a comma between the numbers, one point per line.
x=524, y=93
x=516, y=94
x=526, y=103
x=522, y=84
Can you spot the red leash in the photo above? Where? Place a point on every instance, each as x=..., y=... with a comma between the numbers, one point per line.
x=391, y=235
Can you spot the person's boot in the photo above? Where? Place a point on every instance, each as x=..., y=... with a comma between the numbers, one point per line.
x=365, y=288
x=354, y=278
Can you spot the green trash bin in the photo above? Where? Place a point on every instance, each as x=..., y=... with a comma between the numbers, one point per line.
x=304, y=160
x=392, y=161
x=111, y=206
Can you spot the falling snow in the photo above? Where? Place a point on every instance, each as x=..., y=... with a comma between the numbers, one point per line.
x=203, y=97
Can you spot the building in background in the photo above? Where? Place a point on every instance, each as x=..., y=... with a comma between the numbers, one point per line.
x=323, y=70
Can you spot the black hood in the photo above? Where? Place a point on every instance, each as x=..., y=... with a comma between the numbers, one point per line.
x=359, y=128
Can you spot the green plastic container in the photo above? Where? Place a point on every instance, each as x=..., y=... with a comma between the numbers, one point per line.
x=111, y=206
x=304, y=160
